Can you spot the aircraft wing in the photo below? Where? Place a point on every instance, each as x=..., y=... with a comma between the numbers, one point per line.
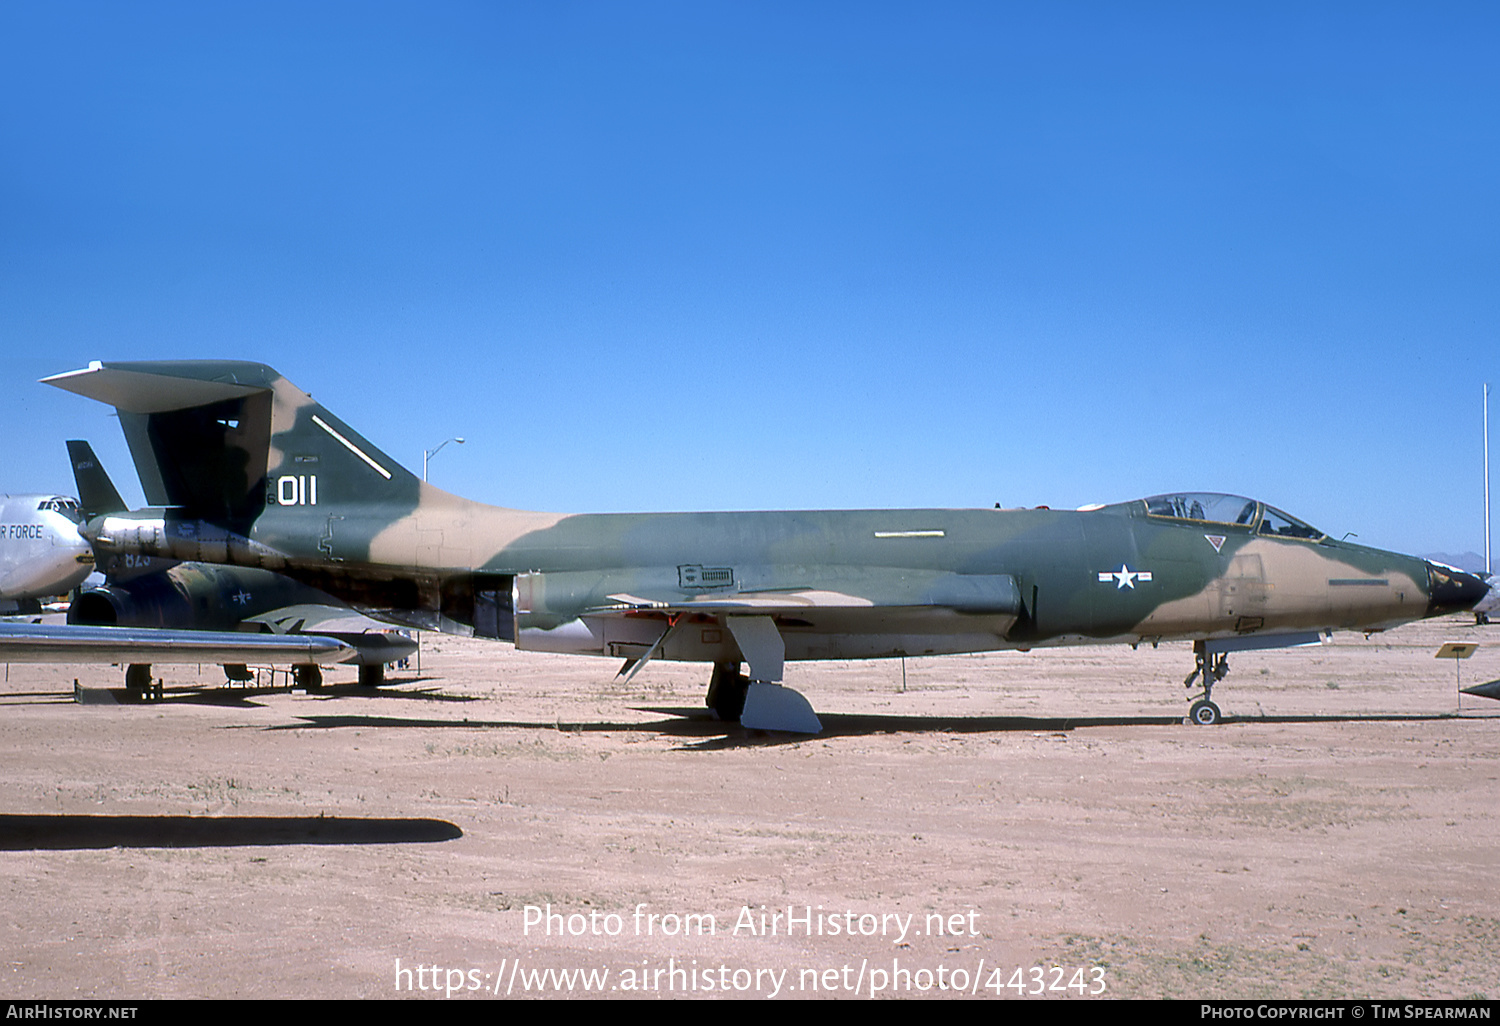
x=636, y=612
x=49, y=643
x=640, y=612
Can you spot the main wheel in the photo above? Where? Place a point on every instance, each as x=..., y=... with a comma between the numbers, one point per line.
x=726, y=691
x=372, y=676
x=138, y=681
x=1204, y=713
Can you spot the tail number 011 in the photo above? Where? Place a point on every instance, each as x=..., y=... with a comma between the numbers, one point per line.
x=297, y=490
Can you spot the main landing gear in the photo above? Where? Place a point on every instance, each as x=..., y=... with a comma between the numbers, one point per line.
x=726, y=691
x=1212, y=667
x=758, y=699
x=139, y=686
x=763, y=705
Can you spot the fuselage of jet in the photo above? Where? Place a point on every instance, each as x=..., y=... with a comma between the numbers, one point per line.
x=839, y=584
x=246, y=469
x=42, y=552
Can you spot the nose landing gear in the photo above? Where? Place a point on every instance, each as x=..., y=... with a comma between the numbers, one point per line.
x=1213, y=664
x=1212, y=667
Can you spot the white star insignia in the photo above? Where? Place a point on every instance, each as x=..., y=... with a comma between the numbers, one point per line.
x=1125, y=577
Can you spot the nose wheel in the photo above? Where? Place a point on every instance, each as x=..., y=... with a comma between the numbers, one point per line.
x=1212, y=668
x=1204, y=713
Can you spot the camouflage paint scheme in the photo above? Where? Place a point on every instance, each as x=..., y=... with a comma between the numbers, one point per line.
x=244, y=468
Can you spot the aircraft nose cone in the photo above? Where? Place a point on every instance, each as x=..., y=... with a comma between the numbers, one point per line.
x=1450, y=590
x=1489, y=605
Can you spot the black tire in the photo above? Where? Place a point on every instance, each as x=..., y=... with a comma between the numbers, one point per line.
x=308, y=676
x=726, y=691
x=138, y=681
x=372, y=676
x=1204, y=713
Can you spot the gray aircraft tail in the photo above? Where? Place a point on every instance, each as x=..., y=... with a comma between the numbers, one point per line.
x=96, y=492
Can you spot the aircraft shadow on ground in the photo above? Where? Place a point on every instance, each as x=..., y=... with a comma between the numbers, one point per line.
x=857, y=725
x=702, y=732
x=234, y=695
x=58, y=833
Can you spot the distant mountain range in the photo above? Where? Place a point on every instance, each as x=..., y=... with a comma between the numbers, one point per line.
x=1471, y=561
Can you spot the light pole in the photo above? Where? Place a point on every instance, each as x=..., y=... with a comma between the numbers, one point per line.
x=428, y=454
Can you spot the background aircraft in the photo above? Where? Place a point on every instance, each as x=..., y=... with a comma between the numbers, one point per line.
x=146, y=592
x=244, y=468
x=152, y=611
x=41, y=552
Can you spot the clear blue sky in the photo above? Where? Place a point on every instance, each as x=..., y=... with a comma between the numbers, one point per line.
x=652, y=256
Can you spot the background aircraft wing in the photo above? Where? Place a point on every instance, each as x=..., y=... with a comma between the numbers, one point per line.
x=49, y=643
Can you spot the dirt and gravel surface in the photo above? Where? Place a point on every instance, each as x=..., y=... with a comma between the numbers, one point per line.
x=1012, y=812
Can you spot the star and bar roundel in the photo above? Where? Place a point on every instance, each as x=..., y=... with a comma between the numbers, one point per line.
x=1124, y=577
x=1127, y=578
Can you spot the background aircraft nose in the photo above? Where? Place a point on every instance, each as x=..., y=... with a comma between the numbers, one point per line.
x=1489, y=606
x=1450, y=590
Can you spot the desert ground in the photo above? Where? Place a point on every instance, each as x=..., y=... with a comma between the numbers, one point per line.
x=1010, y=825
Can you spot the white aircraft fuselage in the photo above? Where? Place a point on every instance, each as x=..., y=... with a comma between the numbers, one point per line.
x=41, y=552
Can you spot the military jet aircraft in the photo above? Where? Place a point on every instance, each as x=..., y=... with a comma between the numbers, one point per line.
x=244, y=468
x=41, y=552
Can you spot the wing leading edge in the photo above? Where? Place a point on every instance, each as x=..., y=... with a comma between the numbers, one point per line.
x=47, y=643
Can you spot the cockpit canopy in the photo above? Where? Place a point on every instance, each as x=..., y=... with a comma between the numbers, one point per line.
x=1214, y=508
x=61, y=504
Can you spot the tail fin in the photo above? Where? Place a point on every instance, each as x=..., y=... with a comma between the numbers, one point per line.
x=224, y=440
x=96, y=492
